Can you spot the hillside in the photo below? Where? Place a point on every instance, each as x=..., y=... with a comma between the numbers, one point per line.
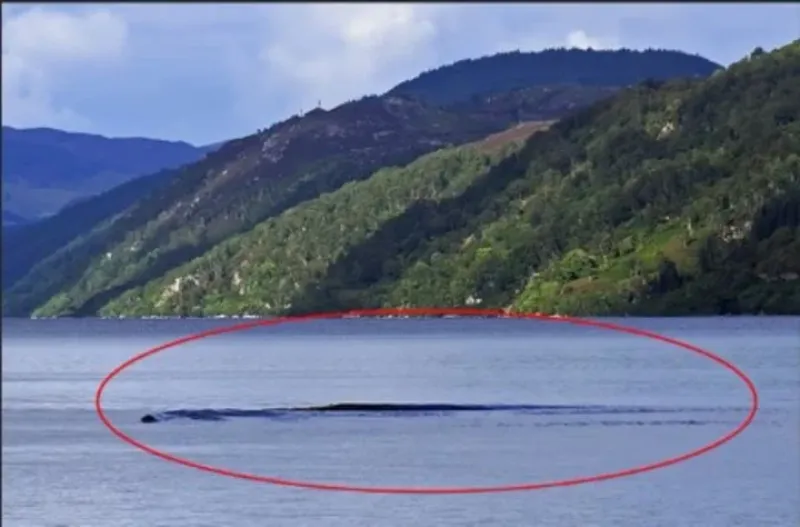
x=28, y=243
x=252, y=179
x=45, y=169
x=78, y=270
x=262, y=270
x=676, y=198
x=671, y=198
x=503, y=72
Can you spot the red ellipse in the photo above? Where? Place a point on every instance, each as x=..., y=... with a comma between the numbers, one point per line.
x=474, y=312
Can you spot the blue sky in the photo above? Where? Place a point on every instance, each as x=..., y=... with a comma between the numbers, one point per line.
x=208, y=72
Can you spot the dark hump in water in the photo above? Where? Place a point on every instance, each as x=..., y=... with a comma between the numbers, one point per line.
x=362, y=408
x=393, y=407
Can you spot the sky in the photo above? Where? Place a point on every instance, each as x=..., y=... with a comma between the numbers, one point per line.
x=203, y=73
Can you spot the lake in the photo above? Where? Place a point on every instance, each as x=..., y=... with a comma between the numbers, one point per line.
x=618, y=401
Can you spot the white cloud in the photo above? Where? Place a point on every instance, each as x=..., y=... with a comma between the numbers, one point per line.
x=579, y=39
x=345, y=50
x=50, y=35
x=206, y=72
x=39, y=46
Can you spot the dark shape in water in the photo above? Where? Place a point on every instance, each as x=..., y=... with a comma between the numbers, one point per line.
x=412, y=409
x=356, y=408
x=210, y=414
x=409, y=407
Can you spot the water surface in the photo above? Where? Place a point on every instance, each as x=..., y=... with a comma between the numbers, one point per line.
x=610, y=401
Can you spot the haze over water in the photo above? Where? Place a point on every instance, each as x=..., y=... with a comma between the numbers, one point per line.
x=61, y=467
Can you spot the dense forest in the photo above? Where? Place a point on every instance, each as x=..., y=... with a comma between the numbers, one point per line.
x=98, y=248
x=674, y=197
x=262, y=270
x=101, y=215
x=508, y=71
x=245, y=182
x=670, y=197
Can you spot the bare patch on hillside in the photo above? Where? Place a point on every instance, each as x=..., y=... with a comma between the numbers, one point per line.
x=518, y=133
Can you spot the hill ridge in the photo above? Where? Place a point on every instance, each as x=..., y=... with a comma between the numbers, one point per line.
x=661, y=200
x=45, y=169
x=508, y=70
x=254, y=178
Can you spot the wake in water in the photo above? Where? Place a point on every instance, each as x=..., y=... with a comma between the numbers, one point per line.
x=409, y=409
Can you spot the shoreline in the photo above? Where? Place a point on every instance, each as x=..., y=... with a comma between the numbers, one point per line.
x=406, y=317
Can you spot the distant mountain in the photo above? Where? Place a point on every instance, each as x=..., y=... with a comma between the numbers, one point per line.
x=128, y=239
x=512, y=70
x=32, y=241
x=11, y=219
x=45, y=169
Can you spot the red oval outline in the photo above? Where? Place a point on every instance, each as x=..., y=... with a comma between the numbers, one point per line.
x=421, y=312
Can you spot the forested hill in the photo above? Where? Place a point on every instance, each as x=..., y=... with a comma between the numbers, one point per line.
x=263, y=270
x=670, y=198
x=46, y=169
x=98, y=249
x=465, y=79
x=128, y=243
